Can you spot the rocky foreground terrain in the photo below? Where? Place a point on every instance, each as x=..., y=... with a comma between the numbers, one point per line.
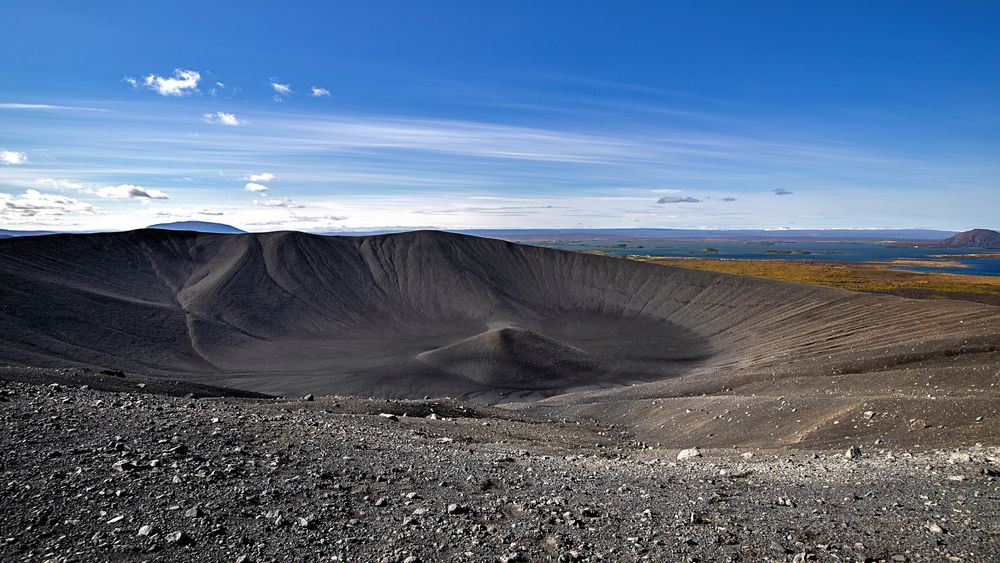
x=112, y=471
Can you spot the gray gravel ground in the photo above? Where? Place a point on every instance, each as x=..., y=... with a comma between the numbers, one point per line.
x=91, y=475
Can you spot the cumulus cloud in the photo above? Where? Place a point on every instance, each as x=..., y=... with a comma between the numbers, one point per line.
x=222, y=118
x=677, y=199
x=129, y=191
x=254, y=187
x=318, y=92
x=262, y=177
x=13, y=157
x=281, y=89
x=182, y=83
x=276, y=202
x=729, y=199
x=781, y=191
x=34, y=203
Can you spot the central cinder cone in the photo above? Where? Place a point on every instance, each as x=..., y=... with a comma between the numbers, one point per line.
x=514, y=357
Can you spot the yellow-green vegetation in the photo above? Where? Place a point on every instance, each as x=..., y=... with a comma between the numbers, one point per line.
x=870, y=277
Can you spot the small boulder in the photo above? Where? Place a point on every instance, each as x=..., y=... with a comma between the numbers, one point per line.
x=688, y=454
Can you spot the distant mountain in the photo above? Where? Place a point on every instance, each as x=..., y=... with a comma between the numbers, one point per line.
x=976, y=238
x=199, y=227
x=4, y=233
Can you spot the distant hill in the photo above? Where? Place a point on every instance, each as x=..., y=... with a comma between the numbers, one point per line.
x=976, y=238
x=199, y=227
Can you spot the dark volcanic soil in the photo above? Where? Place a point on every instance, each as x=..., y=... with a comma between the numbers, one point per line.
x=125, y=436
x=96, y=475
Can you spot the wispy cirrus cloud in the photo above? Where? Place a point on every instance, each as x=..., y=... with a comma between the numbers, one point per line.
x=181, y=83
x=781, y=191
x=13, y=157
x=406, y=166
x=50, y=107
x=318, y=92
x=222, y=118
x=57, y=184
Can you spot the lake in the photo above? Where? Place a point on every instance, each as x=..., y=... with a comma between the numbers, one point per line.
x=800, y=250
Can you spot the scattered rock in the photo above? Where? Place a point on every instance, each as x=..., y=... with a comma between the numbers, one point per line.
x=179, y=538
x=959, y=457
x=123, y=465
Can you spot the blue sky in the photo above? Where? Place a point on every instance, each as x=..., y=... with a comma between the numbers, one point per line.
x=378, y=114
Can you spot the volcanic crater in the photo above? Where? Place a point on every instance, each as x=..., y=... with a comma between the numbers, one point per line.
x=437, y=314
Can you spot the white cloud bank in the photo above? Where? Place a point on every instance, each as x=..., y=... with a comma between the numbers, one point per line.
x=255, y=187
x=182, y=83
x=278, y=202
x=222, y=118
x=677, y=199
x=13, y=157
x=121, y=191
x=129, y=191
x=35, y=204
